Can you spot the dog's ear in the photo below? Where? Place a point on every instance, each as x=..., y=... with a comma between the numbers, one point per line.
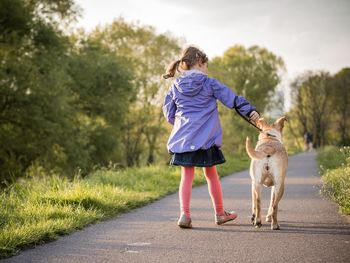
x=261, y=123
x=280, y=122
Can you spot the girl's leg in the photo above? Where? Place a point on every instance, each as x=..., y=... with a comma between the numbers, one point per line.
x=214, y=188
x=185, y=189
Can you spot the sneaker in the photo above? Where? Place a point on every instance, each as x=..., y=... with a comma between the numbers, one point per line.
x=228, y=216
x=184, y=222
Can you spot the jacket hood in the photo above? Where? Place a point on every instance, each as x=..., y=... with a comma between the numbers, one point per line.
x=191, y=82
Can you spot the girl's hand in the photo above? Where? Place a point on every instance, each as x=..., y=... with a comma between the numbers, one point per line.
x=254, y=116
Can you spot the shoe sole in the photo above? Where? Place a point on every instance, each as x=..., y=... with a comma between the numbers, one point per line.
x=185, y=226
x=221, y=223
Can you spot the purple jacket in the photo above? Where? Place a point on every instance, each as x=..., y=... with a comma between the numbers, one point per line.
x=190, y=105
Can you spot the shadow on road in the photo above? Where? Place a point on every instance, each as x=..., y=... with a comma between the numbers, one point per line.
x=286, y=227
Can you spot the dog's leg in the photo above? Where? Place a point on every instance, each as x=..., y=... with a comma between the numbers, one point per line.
x=274, y=223
x=279, y=190
x=269, y=213
x=257, y=191
x=253, y=204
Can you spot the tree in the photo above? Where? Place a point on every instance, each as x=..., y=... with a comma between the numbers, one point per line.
x=312, y=104
x=35, y=98
x=253, y=73
x=341, y=101
x=148, y=54
x=102, y=83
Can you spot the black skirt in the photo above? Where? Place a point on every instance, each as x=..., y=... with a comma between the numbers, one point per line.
x=199, y=158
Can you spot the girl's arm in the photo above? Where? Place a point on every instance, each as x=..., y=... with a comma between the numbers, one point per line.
x=169, y=108
x=230, y=99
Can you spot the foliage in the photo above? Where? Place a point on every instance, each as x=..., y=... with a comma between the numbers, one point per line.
x=102, y=83
x=83, y=100
x=311, y=95
x=254, y=73
x=36, y=101
x=321, y=107
x=148, y=54
x=335, y=167
x=73, y=102
x=332, y=157
x=340, y=97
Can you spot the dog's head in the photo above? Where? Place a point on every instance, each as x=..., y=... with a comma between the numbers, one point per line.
x=274, y=129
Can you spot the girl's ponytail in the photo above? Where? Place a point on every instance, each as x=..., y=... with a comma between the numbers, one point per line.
x=190, y=56
x=170, y=72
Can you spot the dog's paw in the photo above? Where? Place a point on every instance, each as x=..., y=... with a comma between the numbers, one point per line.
x=268, y=219
x=276, y=227
x=258, y=225
x=253, y=219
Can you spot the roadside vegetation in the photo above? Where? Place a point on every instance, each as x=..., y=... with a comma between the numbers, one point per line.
x=335, y=168
x=41, y=207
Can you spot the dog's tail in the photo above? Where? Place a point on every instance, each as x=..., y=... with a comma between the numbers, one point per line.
x=257, y=155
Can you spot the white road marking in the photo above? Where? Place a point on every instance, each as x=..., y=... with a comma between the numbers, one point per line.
x=139, y=244
x=132, y=251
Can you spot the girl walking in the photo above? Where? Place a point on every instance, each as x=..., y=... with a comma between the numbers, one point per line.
x=195, y=141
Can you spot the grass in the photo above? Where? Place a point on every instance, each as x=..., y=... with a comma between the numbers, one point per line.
x=335, y=169
x=42, y=207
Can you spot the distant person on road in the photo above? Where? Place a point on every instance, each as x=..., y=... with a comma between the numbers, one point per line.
x=191, y=107
x=308, y=141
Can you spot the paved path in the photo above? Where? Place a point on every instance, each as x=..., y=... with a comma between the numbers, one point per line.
x=311, y=229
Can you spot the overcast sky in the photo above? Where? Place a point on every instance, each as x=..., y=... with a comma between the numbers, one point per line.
x=307, y=34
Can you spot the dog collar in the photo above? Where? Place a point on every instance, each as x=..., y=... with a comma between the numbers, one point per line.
x=270, y=135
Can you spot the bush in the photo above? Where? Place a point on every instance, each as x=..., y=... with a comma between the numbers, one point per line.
x=335, y=167
x=331, y=157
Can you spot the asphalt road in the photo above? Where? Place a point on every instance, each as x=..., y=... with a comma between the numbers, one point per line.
x=311, y=229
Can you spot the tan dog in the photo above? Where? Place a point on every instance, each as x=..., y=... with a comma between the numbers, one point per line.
x=268, y=167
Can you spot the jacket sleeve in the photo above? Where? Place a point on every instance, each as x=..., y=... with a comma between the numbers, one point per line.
x=169, y=108
x=230, y=99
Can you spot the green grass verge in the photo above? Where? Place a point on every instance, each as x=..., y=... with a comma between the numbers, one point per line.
x=335, y=169
x=42, y=207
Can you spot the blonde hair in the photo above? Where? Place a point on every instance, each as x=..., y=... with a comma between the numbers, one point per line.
x=190, y=57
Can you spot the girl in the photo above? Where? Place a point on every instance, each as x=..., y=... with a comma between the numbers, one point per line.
x=195, y=141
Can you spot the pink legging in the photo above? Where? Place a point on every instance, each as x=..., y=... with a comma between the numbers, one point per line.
x=214, y=187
